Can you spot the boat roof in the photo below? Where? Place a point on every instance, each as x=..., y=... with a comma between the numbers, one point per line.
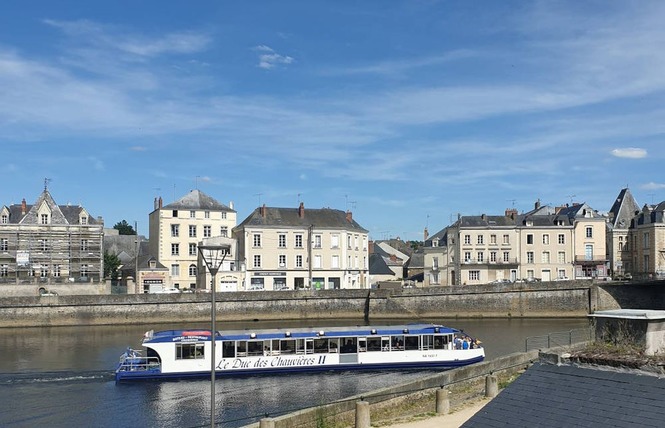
x=302, y=332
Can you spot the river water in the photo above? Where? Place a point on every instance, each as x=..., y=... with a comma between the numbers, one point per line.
x=63, y=376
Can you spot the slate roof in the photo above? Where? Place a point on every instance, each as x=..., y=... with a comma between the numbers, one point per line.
x=623, y=210
x=60, y=214
x=197, y=200
x=378, y=266
x=323, y=218
x=548, y=395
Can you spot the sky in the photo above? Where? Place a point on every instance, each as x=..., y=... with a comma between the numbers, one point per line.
x=406, y=113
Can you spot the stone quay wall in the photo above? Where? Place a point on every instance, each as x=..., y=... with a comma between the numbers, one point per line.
x=556, y=299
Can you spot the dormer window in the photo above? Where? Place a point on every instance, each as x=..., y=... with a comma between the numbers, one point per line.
x=44, y=219
x=4, y=219
x=84, y=220
x=153, y=264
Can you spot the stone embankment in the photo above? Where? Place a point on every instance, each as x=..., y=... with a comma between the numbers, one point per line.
x=557, y=299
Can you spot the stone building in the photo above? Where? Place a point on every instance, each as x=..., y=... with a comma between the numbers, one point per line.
x=294, y=248
x=176, y=229
x=50, y=247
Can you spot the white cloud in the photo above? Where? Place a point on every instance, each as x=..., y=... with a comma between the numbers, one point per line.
x=270, y=59
x=653, y=186
x=629, y=152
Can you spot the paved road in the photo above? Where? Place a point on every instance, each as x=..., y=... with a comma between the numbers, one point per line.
x=452, y=420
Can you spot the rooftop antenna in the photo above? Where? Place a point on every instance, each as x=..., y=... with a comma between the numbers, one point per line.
x=48, y=180
x=197, y=182
x=512, y=201
x=353, y=205
x=652, y=195
x=571, y=198
x=427, y=221
x=259, y=195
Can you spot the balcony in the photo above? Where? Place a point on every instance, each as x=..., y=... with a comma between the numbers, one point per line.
x=510, y=261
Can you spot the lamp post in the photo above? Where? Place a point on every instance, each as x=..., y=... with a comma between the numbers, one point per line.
x=213, y=256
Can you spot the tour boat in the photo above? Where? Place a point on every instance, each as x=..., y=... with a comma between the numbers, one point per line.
x=187, y=353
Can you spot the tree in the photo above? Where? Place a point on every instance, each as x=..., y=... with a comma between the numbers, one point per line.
x=111, y=265
x=124, y=228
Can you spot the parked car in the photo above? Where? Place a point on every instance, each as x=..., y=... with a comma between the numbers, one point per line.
x=171, y=290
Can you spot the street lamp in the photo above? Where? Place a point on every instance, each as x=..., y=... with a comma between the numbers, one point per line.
x=213, y=256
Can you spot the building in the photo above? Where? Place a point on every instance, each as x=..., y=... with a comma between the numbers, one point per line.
x=46, y=246
x=546, y=243
x=294, y=248
x=647, y=242
x=176, y=229
x=621, y=215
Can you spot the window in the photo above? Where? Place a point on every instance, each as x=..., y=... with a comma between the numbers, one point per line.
x=281, y=239
x=506, y=239
x=589, y=232
x=84, y=271
x=480, y=257
x=474, y=275
x=435, y=263
x=588, y=252
x=43, y=271
x=207, y=231
x=529, y=238
x=348, y=242
x=492, y=256
x=84, y=245
x=317, y=262
x=4, y=244
x=4, y=271
x=561, y=257
x=480, y=239
x=506, y=256
x=298, y=261
x=223, y=215
x=546, y=239
x=175, y=230
x=5, y=219
x=282, y=260
x=224, y=231
x=189, y=351
x=175, y=270
x=646, y=263
x=545, y=258
x=192, y=249
x=298, y=241
x=56, y=271
x=334, y=241
x=561, y=274
x=529, y=256
x=645, y=239
x=44, y=218
x=192, y=231
x=467, y=239
x=175, y=249
x=174, y=213
x=317, y=241
x=530, y=274
x=192, y=214
x=192, y=270
x=467, y=256
x=493, y=239
x=43, y=244
x=355, y=240
x=84, y=220
x=257, y=240
x=257, y=260
x=335, y=262
x=562, y=238
x=355, y=264
x=206, y=214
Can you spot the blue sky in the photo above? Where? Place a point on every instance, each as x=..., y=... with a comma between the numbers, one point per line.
x=405, y=112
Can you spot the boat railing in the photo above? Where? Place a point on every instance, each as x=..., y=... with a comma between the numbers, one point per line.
x=132, y=360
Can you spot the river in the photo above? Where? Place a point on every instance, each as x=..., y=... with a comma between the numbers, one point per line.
x=63, y=376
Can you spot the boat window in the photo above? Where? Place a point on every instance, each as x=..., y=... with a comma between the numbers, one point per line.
x=385, y=344
x=255, y=347
x=228, y=349
x=300, y=346
x=397, y=343
x=287, y=346
x=242, y=348
x=441, y=341
x=428, y=342
x=362, y=344
x=412, y=343
x=188, y=351
x=333, y=345
x=373, y=344
x=320, y=346
x=309, y=346
x=348, y=345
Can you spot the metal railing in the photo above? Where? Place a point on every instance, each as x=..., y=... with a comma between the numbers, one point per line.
x=562, y=338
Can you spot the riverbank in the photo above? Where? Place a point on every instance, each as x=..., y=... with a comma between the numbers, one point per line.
x=545, y=300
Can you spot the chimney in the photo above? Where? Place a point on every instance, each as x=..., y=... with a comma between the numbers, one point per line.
x=393, y=258
x=160, y=202
x=24, y=207
x=483, y=217
x=511, y=212
x=301, y=210
x=349, y=216
x=263, y=211
x=425, y=234
x=154, y=204
x=231, y=204
x=370, y=247
x=537, y=204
